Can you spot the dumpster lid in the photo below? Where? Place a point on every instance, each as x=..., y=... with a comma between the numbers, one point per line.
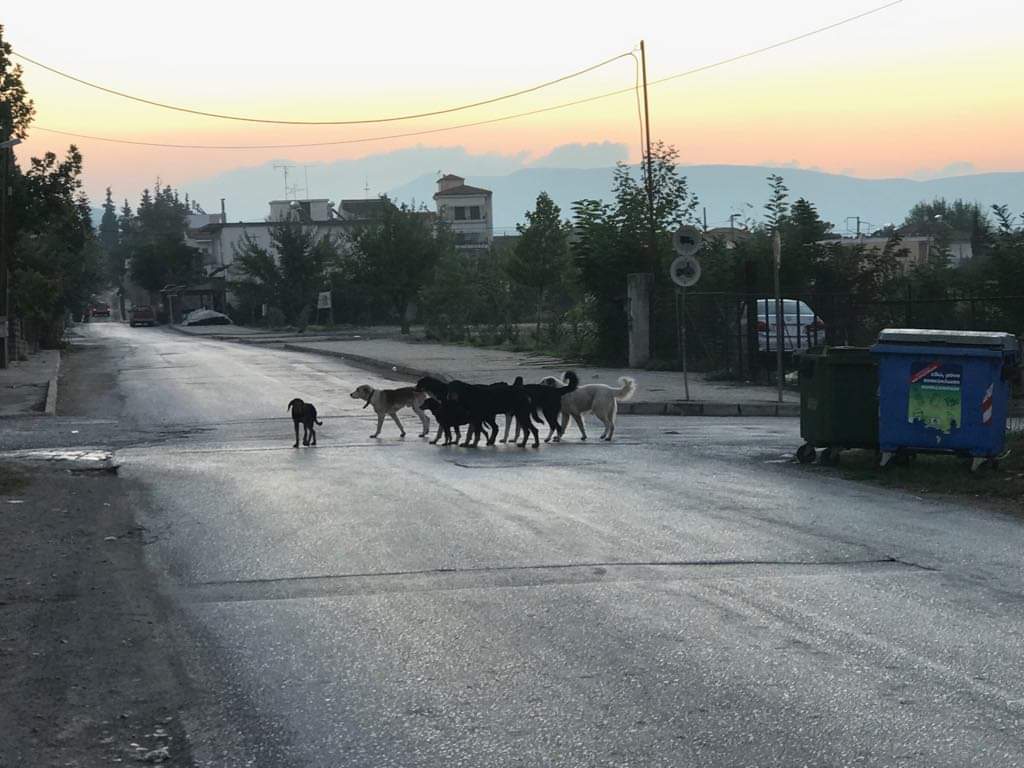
x=991, y=339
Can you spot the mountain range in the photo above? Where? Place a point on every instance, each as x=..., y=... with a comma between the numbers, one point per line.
x=574, y=171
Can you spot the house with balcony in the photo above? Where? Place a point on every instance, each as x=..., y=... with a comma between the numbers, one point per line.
x=467, y=210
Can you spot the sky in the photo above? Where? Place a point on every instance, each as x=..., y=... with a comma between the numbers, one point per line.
x=923, y=88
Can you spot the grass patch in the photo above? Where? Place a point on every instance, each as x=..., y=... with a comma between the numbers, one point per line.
x=12, y=480
x=946, y=475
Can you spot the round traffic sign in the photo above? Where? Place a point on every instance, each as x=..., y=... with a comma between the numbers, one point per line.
x=687, y=240
x=685, y=271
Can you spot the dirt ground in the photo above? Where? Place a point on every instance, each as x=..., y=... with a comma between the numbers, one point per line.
x=87, y=676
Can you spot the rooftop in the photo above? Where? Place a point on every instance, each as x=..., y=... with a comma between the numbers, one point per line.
x=461, y=190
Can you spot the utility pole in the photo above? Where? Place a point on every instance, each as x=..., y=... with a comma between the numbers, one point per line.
x=777, y=262
x=7, y=150
x=652, y=245
x=650, y=163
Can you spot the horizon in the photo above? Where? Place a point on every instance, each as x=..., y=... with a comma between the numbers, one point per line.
x=894, y=95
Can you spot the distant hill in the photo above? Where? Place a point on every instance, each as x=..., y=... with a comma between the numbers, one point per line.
x=574, y=171
x=726, y=189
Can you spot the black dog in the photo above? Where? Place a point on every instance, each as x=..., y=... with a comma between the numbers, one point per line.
x=549, y=400
x=305, y=414
x=485, y=401
x=438, y=390
x=450, y=416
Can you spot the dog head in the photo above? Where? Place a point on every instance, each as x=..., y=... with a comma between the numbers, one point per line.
x=362, y=392
x=430, y=404
x=433, y=387
x=550, y=381
x=295, y=404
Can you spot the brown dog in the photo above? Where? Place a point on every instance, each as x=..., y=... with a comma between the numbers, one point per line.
x=387, y=402
x=305, y=414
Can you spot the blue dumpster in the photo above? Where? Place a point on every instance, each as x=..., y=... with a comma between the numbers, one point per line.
x=944, y=391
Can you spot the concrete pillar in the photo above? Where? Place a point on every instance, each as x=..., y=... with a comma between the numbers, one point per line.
x=639, y=293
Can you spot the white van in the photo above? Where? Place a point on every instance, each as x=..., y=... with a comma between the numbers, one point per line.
x=802, y=328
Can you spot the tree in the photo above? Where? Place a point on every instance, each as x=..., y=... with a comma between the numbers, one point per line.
x=541, y=255
x=109, y=233
x=291, y=275
x=776, y=209
x=396, y=253
x=155, y=242
x=612, y=240
x=16, y=108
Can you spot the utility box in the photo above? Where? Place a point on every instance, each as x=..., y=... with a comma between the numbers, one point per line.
x=838, y=402
x=944, y=391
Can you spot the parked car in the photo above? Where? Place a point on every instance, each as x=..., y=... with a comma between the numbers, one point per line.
x=141, y=315
x=100, y=309
x=205, y=317
x=802, y=328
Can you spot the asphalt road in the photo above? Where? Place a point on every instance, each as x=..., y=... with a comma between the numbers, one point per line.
x=685, y=596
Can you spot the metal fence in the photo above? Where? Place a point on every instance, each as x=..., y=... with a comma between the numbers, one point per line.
x=734, y=333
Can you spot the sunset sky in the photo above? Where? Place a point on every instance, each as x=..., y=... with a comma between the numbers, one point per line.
x=923, y=86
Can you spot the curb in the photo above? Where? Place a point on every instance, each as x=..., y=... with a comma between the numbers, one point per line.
x=700, y=408
x=51, y=391
x=635, y=408
x=370, y=363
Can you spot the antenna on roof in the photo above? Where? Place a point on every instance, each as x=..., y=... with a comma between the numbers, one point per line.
x=366, y=186
x=284, y=167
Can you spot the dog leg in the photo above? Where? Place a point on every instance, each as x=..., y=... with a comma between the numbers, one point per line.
x=424, y=419
x=380, y=423
x=296, y=435
x=394, y=417
x=440, y=428
x=312, y=435
x=579, y=423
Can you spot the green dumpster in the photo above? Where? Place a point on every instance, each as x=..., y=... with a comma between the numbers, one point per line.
x=838, y=402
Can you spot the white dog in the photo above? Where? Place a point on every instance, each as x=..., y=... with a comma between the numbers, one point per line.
x=602, y=399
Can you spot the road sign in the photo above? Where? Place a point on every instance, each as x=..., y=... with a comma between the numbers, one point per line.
x=687, y=240
x=685, y=271
x=323, y=300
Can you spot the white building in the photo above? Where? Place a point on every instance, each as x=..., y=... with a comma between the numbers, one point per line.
x=467, y=210
x=219, y=240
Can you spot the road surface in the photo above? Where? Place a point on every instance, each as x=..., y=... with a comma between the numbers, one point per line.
x=685, y=596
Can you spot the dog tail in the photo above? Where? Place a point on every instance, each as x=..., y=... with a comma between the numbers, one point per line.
x=626, y=389
x=318, y=422
x=572, y=381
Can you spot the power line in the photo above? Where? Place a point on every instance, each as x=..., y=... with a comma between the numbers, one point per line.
x=365, y=121
x=565, y=105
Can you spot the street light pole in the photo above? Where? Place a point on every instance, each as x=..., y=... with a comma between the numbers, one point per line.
x=6, y=148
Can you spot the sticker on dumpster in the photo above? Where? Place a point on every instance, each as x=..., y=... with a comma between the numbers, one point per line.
x=986, y=405
x=935, y=396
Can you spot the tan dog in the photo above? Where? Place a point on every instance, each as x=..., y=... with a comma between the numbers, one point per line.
x=387, y=402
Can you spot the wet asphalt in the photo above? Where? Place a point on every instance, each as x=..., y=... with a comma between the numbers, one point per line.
x=684, y=596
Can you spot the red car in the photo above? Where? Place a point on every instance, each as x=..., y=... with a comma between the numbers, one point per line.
x=101, y=309
x=141, y=316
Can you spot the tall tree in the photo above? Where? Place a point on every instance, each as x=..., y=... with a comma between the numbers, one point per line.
x=776, y=209
x=541, y=255
x=16, y=108
x=397, y=251
x=611, y=240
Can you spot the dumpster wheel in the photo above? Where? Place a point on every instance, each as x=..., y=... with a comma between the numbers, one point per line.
x=806, y=454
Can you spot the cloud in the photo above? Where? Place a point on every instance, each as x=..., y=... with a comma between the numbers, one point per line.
x=960, y=168
x=594, y=155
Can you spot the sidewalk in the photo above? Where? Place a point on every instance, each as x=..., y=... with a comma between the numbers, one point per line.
x=30, y=387
x=658, y=392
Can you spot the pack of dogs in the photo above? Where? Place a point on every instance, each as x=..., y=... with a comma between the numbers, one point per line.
x=473, y=409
